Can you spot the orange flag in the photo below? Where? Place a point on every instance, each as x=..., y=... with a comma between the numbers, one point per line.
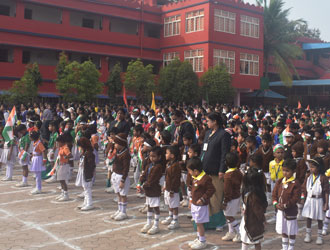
x=308, y=107
x=124, y=96
x=299, y=105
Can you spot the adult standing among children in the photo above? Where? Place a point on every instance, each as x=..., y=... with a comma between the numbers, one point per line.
x=216, y=145
x=183, y=126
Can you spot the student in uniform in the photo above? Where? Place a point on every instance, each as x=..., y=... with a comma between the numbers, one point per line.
x=23, y=153
x=201, y=191
x=315, y=197
x=286, y=195
x=232, y=197
x=150, y=183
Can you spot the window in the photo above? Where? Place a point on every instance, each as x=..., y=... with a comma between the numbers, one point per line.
x=172, y=26
x=169, y=57
x=4, y=10
x=196, y=59
x=224, y=21
x=26, y=57
x=27, y=14
x=195, y=21
x=249, y=64
x=124, y=26
x=151, y=30
x=249, y=26
x=224, y=57
x=88, y=23
x=4, y=55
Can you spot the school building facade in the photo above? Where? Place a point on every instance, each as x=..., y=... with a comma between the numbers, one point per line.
x=204, y=32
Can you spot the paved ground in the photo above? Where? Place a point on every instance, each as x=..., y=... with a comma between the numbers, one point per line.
x=38, y=222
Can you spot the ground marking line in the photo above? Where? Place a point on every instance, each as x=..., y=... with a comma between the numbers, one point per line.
x=41, y=229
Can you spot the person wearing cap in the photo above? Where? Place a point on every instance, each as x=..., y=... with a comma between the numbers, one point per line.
x=183, y=126
x=275, y=166
x=119, y=178
x=135, y=115
x=289, y=138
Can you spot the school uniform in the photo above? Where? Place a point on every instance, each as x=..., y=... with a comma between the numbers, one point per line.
x=242, y=154
x=275, y=173
x=301, y=169
x=150, y=180
x=37, y=165
x=314, y=190
x=63, y=171
x=172, y=185
x=232, y=191
x=95, y=141
x=201, y=189
x=287, y=193
x=24, y=150
x=120, y=172
x=267, y=157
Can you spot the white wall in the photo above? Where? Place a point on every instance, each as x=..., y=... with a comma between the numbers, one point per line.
x=45, y=14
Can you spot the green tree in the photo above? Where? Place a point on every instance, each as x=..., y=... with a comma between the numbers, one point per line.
x=187, y=88
x=217, y=85
x=79, y=82
x=167, y=81
x=280, y=36
x=114, y=82
x=26, y=89
x=140, y=79
x=305, y=31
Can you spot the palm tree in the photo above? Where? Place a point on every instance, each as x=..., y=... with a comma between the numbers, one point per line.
x=280, y=36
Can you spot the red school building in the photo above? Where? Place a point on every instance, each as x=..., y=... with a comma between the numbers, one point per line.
x=205, y=32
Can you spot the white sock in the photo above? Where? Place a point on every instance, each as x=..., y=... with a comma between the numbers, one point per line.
x=285, y=243
x=156, y=221
x=326, y=224
x=24, y=179
x=230, y=226
x=245, y=246
x=149, y=217
x=308, y=230
x=291, y=244
x=170, y=214
x=124, y=206
x=119, y=206
x=175, y=218
x=319, y=233
x=235, y=226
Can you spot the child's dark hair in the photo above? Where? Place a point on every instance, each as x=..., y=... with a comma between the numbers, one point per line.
x=257, y=159
x=175, y=151
x=234, y=143
x=85, y=144
x=318, y=163
x=188, y=136
x=251, y=139
x=254, y=182
x=62, y=138
x=34, y=135
x=138, y=128
x=20, y=128
x=231, y=160
x=54, y=124
x=196, y=148
x=157, y=150
x=298, y=147
x=290, y=164
x=195, y=164
x=166, y=137
x=267, y=137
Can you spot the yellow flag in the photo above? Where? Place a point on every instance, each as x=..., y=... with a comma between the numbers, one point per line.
x=153, y=104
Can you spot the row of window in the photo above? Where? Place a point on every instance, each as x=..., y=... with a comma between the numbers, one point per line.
x=224, y=21
x=249, y=63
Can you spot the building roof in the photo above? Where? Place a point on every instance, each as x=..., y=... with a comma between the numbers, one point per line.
x=267, y=93
x=318, y=82
x=315, y=46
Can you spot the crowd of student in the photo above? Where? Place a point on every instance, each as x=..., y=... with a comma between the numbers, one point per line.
x=218, y=160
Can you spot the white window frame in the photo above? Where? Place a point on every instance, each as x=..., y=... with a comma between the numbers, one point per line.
x=226, y=57
x=250, y=26
x=252, y=62
x=198, y=20
x=229, y=18
x=169, y=57
x=195, y=58
x=170, y=23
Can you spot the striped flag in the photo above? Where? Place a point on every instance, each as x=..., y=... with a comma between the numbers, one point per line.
x=153, y=103
x=22, y=155
x=55, y=168
x=8, y=131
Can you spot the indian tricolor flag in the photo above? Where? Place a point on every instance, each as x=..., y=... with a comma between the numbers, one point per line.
x=22, y=155
x=8, y=131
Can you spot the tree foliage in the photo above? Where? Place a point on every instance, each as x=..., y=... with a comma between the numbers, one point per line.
x=140, y=79
x=305, y=31
x=280, y=35
x=217, y=86
x=114, y=82
x=79, y=81
x=26, y=89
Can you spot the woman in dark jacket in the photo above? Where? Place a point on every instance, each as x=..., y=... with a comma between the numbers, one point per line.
x=215, y=147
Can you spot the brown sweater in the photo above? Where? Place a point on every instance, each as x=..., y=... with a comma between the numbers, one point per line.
x=150, y=179
x=173, y=177
x=121, y=163
x=89, y=165
x=288, y=197
x=232, y=185
x=324, y=184
x=202, y=189
x=267, y=157
x=301, y=170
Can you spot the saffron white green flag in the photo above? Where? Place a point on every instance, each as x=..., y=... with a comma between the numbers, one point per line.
x=8, y=131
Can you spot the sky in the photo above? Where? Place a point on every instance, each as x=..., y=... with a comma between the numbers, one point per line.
x=315, y=12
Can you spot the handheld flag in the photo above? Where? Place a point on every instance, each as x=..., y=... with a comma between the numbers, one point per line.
x=124, y=96
x=153, y=104
x=8, y=131
x=299, y=105
x=308, y=108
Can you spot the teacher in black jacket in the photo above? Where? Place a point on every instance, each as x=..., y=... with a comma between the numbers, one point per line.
x=215, y=147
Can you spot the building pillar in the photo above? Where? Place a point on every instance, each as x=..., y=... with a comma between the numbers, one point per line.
x=20, y=10
x=65, y=17
x=17, y=55
x=237, y=99
x=106, y=24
